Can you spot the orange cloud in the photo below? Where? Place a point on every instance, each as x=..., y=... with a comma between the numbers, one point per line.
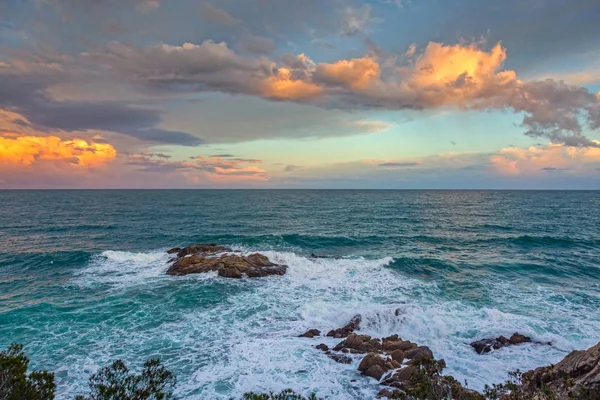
x=30, y=150
x=283, y=87
x=357, y=74
x=533, y=160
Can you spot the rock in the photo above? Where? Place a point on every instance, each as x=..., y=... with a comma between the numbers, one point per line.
x=203, y=258
x=347, y=329
x=397, y=344
x=311, y=333
x=322, y=346
x=340, y=358
x=487, y=345
x=419, y=353
x=517, y=338
x=375, y=365
x=398, y=355
x=388, y=393
x=577, y=376
x=400, y=377
x=361, y=344
x=174, y=250
x=313, y=255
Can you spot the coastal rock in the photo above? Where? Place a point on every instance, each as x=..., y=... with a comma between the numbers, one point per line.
x=201, y=258
x=361, y=344
x=339, y=358
x=322, y=346
x=419, y=353
x=375, y=365
x=311, y=333
x=487, y=345
x=347, y=329
x=577, y=376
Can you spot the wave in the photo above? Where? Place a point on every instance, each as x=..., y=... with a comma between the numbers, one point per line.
x=214, y=332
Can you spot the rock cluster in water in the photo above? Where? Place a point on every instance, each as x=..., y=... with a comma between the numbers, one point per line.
x=404, y=367
x=201, y=258
x=391, y=360
x=486, y=345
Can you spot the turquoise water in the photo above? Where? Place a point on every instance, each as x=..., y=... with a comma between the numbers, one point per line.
x=82, y=282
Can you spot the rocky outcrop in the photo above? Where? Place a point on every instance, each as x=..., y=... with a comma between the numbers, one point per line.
x=347, y=329
x=311, y=333
x=577, y=376
x=201, y=258
x=487, y=345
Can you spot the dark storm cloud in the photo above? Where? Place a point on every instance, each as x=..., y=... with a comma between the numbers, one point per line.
x=25, y=94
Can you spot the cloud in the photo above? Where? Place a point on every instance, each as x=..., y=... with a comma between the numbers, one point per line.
x=459, y=76
x=291, y=168
x=208, y=167
x=553, y=157
x=213, y=14
x=257, y=45
x=222, y=155
x=354, y=74
x=398, y=164
x=29, y=151
x=147, y=5
x=23, y=90
x=355, y=20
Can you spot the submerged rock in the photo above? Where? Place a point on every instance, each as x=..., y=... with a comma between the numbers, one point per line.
x=487, y=345
x=201, y=258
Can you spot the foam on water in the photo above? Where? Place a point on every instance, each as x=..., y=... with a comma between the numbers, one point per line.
x=247, y=341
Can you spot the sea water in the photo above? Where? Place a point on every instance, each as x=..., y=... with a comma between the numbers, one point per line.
x=82, y=282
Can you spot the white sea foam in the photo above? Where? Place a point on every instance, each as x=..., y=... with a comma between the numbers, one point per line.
x=248, y=340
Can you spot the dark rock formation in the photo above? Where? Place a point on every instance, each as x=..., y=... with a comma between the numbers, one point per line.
x=487, y=345
x=339, y=358
x=322, y=346
x=577, y=376
x=347, y=329
x=202, y=258
x=311, y=333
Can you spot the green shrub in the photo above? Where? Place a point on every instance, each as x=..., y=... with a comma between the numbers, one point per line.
x=117, y=383
x=16, y=384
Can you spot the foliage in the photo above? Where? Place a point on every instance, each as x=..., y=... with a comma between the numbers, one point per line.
x=116, y=383
x=287, y=394
x=16, y=384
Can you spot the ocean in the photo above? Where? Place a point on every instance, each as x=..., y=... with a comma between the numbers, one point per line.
x=82, y=282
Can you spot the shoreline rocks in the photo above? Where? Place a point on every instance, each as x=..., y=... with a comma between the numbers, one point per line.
x=404, y=369
x=486, y=345
x=202, y=258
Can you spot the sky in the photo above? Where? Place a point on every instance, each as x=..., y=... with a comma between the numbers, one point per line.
x=380, y=94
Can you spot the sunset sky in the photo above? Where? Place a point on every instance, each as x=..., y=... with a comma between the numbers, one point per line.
x=300, y=94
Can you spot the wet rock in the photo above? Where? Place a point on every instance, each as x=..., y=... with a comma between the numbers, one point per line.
x=395, y=343
x=375, y=365
x=311, y=333
x=419, y=353
x=347, y=329
x=203, y=258
x=361, y=344
x=517, y=338
x=401, y=377
x=398, y=355
x=322, y=346
x=388, y=393
x=486, y=345
x=174, y=250
x=313, y=255
x=577, y=376
x=340, y=358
